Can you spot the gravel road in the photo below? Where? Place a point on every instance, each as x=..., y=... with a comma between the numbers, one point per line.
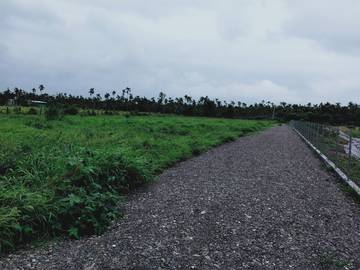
x=261, y=202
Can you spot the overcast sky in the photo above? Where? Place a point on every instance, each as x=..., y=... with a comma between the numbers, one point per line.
x=296, y=51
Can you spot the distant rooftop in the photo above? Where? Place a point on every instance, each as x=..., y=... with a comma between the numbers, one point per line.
x=36, y=102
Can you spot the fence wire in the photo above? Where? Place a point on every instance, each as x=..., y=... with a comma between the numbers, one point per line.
x=338, y=144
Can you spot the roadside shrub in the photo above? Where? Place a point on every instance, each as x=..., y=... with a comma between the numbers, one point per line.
x=196, y=147
x=92, y=186
x=196, y=151
x=7, y=159
x=53, y=112
x=107, y=112
x=228, y=138
x=249, y=129
x=91, y=113
x=26, y=216
x=80, y=201
x=85, y=113
x=32, y=111
x=70, y=110
x=17, y=110
x=8, y=222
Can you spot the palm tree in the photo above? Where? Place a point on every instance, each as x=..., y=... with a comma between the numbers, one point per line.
x=161, y=97
x=113, y=99
x=188, y=99
x=41, y=88
x=107, y=95
x=91, y=92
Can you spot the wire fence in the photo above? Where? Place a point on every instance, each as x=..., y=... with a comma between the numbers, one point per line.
x=337, y=143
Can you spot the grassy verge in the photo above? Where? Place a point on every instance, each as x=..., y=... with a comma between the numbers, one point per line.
x=333, y=148
x=353, y=131
x=66, y=177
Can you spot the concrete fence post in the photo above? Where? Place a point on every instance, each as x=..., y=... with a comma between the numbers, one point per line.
x=308, y=130
x=318, y=135
x=350, y=148
x=337, y=134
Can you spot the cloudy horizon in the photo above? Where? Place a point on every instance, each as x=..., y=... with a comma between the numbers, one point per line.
x=249, y=51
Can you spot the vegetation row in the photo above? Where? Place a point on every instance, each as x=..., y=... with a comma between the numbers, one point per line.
x=125, y=100
x=67, y=176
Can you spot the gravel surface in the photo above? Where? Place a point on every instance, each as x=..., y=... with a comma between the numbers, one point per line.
x=262, y=202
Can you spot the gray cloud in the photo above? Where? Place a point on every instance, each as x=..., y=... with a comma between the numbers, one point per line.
x=333, y=24
x=293, y=51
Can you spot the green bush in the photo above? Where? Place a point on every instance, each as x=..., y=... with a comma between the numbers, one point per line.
x=32, y=111
x=70, y=110
x=17, y=110
x=80, y=201
x=94, y=184
x=53, y=112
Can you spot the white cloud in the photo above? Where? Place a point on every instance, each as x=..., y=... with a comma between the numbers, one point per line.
x=293, y=51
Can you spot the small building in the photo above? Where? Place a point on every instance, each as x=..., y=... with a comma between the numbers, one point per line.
x=36, y=103
x=10, y=102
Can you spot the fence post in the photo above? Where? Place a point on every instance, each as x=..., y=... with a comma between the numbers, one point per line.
x=320, y=135
x=301, y=127
x=312, y=132
x=337, y=134
x=350, y=147
x=308, y=130
x=315, y=138
x=318, y=128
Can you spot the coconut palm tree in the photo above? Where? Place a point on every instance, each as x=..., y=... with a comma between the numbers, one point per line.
x=41, y=88
x=92, y=92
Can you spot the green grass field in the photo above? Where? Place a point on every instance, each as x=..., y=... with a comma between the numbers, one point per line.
x=66, y=177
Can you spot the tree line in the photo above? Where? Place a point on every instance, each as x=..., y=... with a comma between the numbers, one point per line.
x=125, y=100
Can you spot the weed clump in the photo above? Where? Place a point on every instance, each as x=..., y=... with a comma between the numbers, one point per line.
x=81, y=200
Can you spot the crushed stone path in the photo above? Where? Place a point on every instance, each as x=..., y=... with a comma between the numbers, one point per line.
x=262, y=202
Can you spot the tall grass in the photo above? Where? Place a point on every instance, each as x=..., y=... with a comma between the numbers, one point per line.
x=66, y=177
